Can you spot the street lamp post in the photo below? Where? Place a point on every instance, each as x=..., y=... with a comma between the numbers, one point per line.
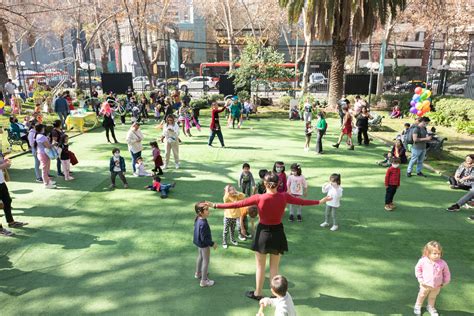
x=35, y=65
x=183, y=67
x=90, y=68
x=371, y=66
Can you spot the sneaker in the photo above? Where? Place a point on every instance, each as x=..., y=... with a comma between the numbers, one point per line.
x=6, y=233
x=39, y=180
x=197, y=276
x=388, y=207
x=112, y=186
x=291, y=218
x=432, y=310
x=61, y=174
x=393, y=206
x=325, y=224
x=299, y=218
x=177, y=166
x=125, y=186
x=334, y=228
x=335, y=145
x=471, y=218
x=233, y=242
x=306, y=149
x=52, y=182
x=206, y=283
x=50, y=186
x=453, y=208
x=242, y=237
x=417, y=310
x=164, y=167
x=351, y=147
x=225, y=246
x=17, y=224
x=420, y=174
x=408, y=174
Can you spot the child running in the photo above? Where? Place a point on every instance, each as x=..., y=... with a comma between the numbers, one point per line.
x=231, y=215
x=283, y=302
x=203, y=240
x=117, y=167
x=432, y=273
x=157, y=159
x=298, y=187
x=308, y=131
x=334, y=190
x=246, y=181
x=392, y=182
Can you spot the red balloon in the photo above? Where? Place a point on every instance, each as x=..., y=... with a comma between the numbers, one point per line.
x=419, y=113
x=418, y=90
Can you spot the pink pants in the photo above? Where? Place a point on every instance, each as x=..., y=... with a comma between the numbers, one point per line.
x=66, y=164
x=45, y=164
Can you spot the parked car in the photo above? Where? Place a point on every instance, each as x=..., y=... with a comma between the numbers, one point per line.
x=198, y=83
x=171, y=82
x=458, y=87
x=409, y=86
x=55, y=80
x=317, y=78
x=141, y=83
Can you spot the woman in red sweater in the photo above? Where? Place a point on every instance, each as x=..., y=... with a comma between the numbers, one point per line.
x=215, y=124
x=270, y=236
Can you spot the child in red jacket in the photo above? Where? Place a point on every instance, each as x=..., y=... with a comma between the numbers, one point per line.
x=392, y=182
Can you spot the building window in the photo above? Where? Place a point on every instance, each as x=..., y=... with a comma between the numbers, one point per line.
x=419, y=36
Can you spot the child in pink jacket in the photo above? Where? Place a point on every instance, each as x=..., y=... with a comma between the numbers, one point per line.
x=432, y=273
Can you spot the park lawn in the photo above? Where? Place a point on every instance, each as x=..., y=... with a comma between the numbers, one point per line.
x=89, y=250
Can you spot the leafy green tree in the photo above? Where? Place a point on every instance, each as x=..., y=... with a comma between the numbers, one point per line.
x=257, y=64
x=333, y=20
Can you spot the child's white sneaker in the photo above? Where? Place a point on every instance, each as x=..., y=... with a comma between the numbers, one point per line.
x=206, y=283
x=334, y=228
x=432, y=310
x=325, y=224
x=417, y=310
x=164, y=167
x=225, y=246
x=233, y=242
x=50, y=186
x=177, y=166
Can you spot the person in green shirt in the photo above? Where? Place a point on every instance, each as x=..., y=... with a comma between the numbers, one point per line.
x=321, y=126
x=236, y=112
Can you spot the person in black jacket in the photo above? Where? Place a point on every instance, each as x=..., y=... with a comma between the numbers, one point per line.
x=203, y=240
x=362, y=123
x=117, y=167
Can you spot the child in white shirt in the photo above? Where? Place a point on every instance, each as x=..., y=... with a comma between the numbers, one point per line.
x=297, y=186
x=334, y=190
x=140, y=169
x=283, y=302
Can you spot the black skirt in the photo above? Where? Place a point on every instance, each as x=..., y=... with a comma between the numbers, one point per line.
x=270, y=239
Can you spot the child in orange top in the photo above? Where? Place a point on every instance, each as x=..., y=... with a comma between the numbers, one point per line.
x=242, y=222
x=231, y=215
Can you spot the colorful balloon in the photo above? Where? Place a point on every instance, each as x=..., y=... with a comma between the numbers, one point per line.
x=419, y=106
x=419, y=113
x=418, y=90
x=413, y=110
x=2, y=104
x=426, y=103
x=412, y=102
x=428, y=93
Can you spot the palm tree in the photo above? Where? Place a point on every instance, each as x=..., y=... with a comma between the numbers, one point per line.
x=333, y=20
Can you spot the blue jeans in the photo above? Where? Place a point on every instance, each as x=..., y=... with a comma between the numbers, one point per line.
x=165, y=189
x=134, y=159
x=418, y=156
x=62, y=117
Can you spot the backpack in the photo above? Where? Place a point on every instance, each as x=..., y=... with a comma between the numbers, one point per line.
x=408, y=138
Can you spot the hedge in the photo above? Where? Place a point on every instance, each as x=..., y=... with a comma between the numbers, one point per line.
x=454, y=112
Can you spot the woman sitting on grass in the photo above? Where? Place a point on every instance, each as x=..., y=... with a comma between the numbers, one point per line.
x=464, y=176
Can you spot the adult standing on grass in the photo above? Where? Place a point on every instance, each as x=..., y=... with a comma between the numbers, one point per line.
x=215, y=124
x=270, y=236
x=418, y=150
x=108, y=121
x=61, y=108
x=321, y=127
x=171, y=137
x=7, y=201
x=41, y=144
x=346, y=129
x=134, y=142
x=362, y=123
x=31, y=141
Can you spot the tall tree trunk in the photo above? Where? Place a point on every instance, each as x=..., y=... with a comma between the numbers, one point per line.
x=7, y=48
x=118, y=46
x=104, y=53
x=383, y=51
x=307, y=60
x=63, y=51
x=336, y=74
x=230, y=32
x=355, y=67
x=78, y=51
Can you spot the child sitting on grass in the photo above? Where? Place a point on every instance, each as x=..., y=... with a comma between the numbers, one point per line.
x=160, y=187
x=117, y=167
x=283, y=302
x=140, y=168
x=203, y=240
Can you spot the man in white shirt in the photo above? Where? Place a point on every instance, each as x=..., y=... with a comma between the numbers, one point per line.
x=7, y=201
x=9, y=91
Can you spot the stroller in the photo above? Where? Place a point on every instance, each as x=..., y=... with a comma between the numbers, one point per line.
x=294, y=114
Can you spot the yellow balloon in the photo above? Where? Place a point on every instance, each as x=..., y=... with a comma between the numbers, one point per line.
x=419, y=106
x=428, y=93
x=2, y=104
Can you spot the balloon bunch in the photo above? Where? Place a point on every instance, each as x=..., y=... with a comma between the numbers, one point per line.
x=420, y=102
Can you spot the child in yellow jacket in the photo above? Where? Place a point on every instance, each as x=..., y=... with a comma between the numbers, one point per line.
x=231, y=215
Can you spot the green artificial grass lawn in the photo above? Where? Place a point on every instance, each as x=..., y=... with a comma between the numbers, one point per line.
x=89, y=250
